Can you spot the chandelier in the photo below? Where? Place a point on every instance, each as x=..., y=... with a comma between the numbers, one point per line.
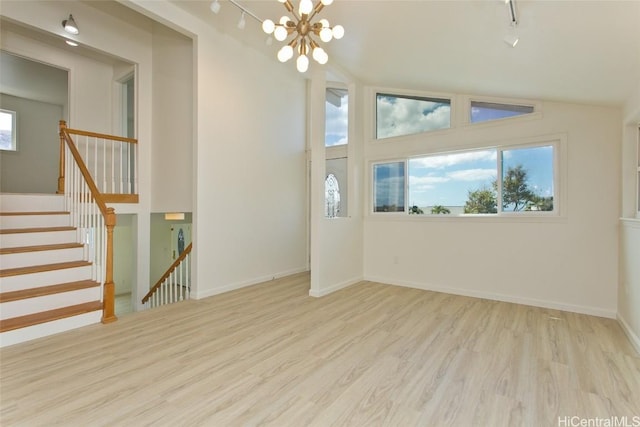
x=302, y=28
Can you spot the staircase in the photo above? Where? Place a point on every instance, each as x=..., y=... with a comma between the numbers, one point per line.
x=45, y=280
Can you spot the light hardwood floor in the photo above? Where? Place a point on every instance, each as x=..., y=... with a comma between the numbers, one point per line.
x=368, y=355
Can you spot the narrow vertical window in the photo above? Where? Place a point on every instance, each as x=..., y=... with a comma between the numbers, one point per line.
x=337, y=117
x=528, y=179
x=8, y=130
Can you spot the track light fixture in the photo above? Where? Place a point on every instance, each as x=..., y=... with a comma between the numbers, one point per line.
x=215, y=6
x=302, y=28
x=511, y=38
x=70, y=25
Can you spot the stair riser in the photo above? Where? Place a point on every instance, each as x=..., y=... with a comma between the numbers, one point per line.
x=31, y=202
x=45, y=278
x=25, y=259
x=32, y=221
x=49, y=328
x=32, y=239
x=48, y=302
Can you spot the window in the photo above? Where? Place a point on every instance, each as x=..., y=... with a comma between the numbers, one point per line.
x=466, y=182
x=485, y=111
x=7, y=130
x=388, y=187
x=331, y=196
x=337, y=117
x=398, y=115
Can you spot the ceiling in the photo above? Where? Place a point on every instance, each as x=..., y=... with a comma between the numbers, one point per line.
x=575, y=51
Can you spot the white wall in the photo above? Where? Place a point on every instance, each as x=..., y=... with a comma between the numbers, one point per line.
x=336, y=243
x=629, y=284
x=172, y=155
x=250, y=211
x=569, y=263
x=33, y=167
x=124, y=239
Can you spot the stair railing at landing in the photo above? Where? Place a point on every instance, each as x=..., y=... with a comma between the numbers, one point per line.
x=93, y=220
x=175, y=283
x=111, y=161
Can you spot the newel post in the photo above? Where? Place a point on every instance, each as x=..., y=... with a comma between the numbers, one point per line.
x=63, y=126
x=108, y=304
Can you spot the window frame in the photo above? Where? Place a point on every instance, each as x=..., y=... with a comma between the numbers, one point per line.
x=14, y=130
x=466, y=111
x=558, y=142
x=372, y=130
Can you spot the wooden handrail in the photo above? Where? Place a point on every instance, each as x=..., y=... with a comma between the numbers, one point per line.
x=167, y=273
x=108, y=308
x=100, y=135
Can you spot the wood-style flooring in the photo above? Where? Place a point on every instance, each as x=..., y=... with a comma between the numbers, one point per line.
x=368, y=355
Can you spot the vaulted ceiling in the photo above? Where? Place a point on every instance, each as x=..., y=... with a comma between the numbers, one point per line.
x=576, y=51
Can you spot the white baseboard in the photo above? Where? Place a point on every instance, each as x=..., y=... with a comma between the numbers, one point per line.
x=635, y=340
x=334, y=288
x=240, y=285
x=593, y=311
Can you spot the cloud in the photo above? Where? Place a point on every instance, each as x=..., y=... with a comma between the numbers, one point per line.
x=423, y=183
x=472, y=174
x=337, y=121
x=448, y=160
x=404, y=116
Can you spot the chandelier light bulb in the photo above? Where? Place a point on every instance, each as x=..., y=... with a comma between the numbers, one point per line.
x=325, y=23
x=280, y=33
x=302, y=64
x=284, y=20
x=326, y=35
x=326, y=2
x=306, y=6
x=268, y=26
x=320, y=55
x=285, y=53
x=338, y=32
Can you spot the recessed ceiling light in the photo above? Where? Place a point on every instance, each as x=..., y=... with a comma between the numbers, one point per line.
x=71, y=43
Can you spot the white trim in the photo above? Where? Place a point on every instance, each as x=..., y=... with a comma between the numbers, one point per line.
x=635, y=340
x=240, y=285
x=336, y=287
x=630, y=222
x=593, y=311
x=560, y=177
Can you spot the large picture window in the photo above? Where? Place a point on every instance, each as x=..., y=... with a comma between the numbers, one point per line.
x=398, y=115
x=484, y=181
x=7, y=130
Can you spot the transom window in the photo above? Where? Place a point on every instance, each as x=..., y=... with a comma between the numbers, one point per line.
x=7, y=130
x=336, y=117
x=398, y=115
x=486, y=111
x=484, y=181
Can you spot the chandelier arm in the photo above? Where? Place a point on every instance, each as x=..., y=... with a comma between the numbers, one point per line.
x=287, y=4
x=316, y=10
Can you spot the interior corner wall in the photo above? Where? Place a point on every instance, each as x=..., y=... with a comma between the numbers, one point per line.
x=172, y=142
x=251, y=213
x=570, y=263
x=33, y=167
